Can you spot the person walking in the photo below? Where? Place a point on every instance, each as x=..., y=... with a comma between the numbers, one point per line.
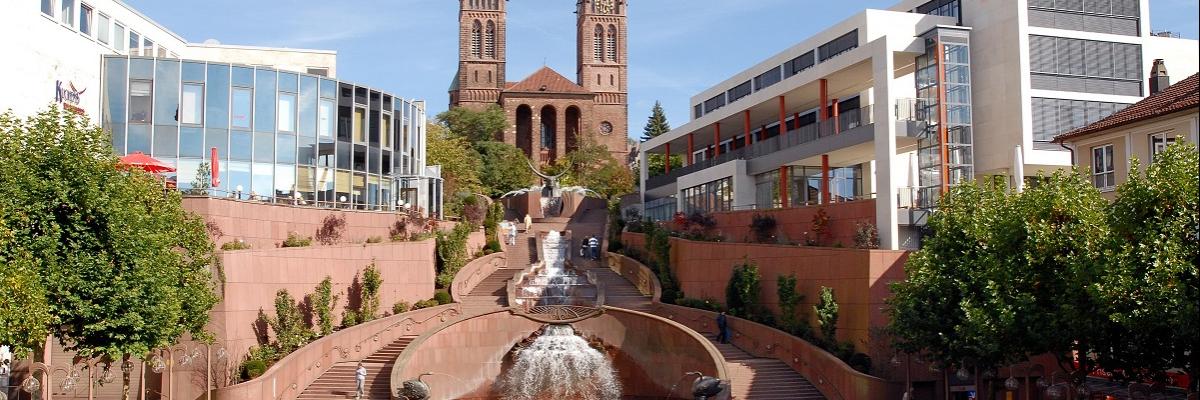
x=593, y=244
x=512, y=233
x=528, y=223
x=360, y=378
x=722, y=328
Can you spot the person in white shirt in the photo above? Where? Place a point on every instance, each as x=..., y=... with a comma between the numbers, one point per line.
x=360, y=377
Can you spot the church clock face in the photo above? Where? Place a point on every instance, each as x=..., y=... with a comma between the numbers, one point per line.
x=606, y=128
x=605, y=6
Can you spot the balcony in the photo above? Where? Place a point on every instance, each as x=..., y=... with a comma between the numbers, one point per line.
x=847, y=121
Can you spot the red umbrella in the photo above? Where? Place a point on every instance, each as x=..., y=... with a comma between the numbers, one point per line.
x=147, y=163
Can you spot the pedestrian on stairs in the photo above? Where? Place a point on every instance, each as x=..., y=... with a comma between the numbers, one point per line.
x=360, y=377
x=528, y=223
x=722, y=328
x=512, y=233
x=593, y=245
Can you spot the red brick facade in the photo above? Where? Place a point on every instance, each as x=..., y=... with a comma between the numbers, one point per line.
x=594, y=107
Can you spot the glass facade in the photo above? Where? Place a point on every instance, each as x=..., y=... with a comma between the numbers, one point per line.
x=944, y=148
x=804, y=186
x=278, y=136
x=709, y=197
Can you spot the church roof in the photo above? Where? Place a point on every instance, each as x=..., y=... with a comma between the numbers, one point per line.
x=546, y=80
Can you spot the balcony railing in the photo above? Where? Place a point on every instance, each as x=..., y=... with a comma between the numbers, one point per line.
x=845, y=121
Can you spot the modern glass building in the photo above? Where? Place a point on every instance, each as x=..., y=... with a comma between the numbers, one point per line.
x=276, y=136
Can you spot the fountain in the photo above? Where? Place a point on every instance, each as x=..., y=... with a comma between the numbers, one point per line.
x=559, y=364
x=554, y=281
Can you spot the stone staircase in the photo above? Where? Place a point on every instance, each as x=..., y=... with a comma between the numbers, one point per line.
x=763, y=378
x=338, y=382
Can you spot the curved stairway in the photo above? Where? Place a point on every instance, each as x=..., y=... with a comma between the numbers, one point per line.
x=764, y=378
x=338, y=382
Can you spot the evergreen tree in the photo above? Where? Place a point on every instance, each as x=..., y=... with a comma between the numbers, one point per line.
x=657, y=123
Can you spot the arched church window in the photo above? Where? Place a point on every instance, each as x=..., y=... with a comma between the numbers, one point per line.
x=490, y=42
x=612, y=43
x=598, y=43
x=476, y=40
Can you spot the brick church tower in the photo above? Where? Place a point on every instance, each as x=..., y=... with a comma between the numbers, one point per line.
x=481, y=45
x=549, y=115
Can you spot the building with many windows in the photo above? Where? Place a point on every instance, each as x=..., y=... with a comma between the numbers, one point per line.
x=274, y=135
x=895, y=106
x=1105, y=150
x=275, y=121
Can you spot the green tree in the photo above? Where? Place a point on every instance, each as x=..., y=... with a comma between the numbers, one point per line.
x=322, y=301
x=656, y=124
x=741, y=293
x=826, y=310
x=474, y=126
x=125, y=268
x=203, y=180
x=460, y=165
x=593, y=166
x=1151, y=287
x=503, y=168
x=371, y=284
x=1006, y=275
x=24, y=309
x=288, y=324
x=789, y=298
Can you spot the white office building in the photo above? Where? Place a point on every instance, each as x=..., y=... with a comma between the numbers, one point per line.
x=895, y=106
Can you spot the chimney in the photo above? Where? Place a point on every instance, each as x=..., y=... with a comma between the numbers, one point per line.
x=1158, y=77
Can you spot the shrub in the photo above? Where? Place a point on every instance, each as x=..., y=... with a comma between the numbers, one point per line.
x=789, y=298
x=322, y=301
x=827, y=315
x=442, y=298
x=349, y=318
x=703, y=304
x=474, y=210
x=331, y=229
x=658, y=243
x=236, y=244
x=763, y=227
x=741, y=293
x=425, y=304
x=295, y=240
x=820, y=226
x=859, y=361
x=371, y=283
x=400, y=307
x=866, y=236
x=288, y=323
x=375, y=239
x=452, y=253
x=253, y=369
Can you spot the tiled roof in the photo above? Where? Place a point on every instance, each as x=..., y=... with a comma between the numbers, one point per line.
x=545, y=80
x=1183, y=95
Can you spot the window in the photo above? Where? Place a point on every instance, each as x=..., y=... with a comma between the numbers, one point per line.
x=241, y=107
x=67, y=12
x=1053, y=117
x=1104, y=176
x=739, y=91
x=103, y=29
x=162, y=51
x=287, y=112
x=1088, y=66
x=135, y=43
x=598, y=44
x=191, y=109
x=85, y=19
x=386, y=130
x=766, y=79
x=119, y=37
x=325, y=118
x=147, y=47
x=140, y=94
x=48, y=7
x=837, y=46
x=476, y=39
x=1159, y=143
x=360, y=122
x=611, y=43
x=795, y=65
x=319, y=71
x=490, y=43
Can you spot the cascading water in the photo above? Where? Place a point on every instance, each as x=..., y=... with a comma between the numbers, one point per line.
x=552, y=283
x=560, y=365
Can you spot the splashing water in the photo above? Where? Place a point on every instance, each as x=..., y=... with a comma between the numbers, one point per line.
x=560, y=365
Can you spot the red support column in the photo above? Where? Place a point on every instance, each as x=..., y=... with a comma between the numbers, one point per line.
x=667, y=162
x=717, y=139
x=825, y=199
x=837, y=124
x=691, y=149
x=943, y=133
x=782, y=116
x=746, y=126
x=824, y=90
x=784, y=199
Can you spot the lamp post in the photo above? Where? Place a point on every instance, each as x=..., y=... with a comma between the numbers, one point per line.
x=184, y=355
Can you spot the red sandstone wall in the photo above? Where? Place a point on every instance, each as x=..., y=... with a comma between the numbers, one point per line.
x=794, y=222
x=251, y=278
x=858, y=277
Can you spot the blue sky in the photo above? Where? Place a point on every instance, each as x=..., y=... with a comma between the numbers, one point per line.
x=409, y=47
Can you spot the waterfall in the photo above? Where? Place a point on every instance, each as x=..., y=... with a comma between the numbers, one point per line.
x=560, y=365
